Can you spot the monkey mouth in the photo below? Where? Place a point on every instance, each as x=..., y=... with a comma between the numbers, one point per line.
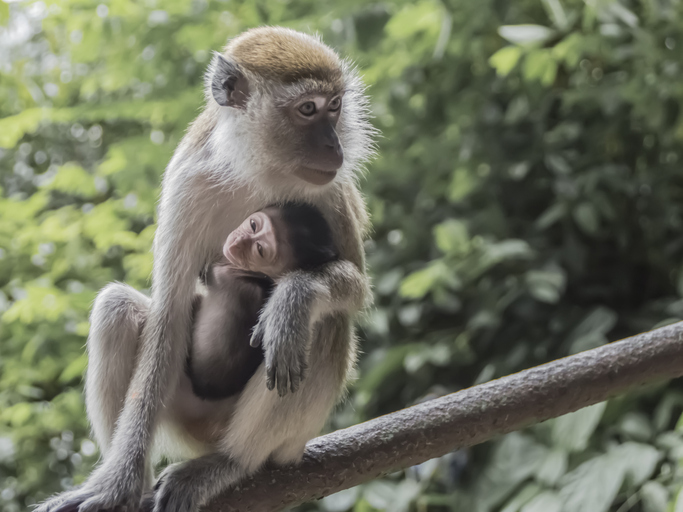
x=315, y=176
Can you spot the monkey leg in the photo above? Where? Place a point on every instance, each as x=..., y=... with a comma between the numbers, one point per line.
x=185, y=486
x=117, y=317
x=264, y=425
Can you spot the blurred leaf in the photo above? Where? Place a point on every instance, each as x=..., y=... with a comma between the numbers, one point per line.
x=572, y=431
x=389, y=361
x=526, y=494
x=73, y=179
x=680, y=282
x=547, y=501
x=591, y=331
x=546, y=285
x=654, y=497
x=623, y=14
x=507, y=250
x=421, y=282
x=558, y=164
x=389, y=282
x=553, y=214
x=540, y=65
x=515, y=458
x=462, y=183
x=75, y=369
x=636, y=426
x=678, y=504
x=13, y=128
x=505, y=59
x=424, y=16
x=591, y=486
x=4, y=13
x=638, y=461
x=451, y=237
x=553, y=467
x=342, y=500
x=557, y=13
x=525, y=34
x=587, y=218
x=380, y=493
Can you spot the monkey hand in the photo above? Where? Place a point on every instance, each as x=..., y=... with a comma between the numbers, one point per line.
x=284, y=331
x=285, y=351
x=64, y=502
x=178, y=489
x=102, y=491
x=85, y=499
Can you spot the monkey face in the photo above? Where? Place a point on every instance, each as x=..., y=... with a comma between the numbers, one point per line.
x=301, y=108
x=314, y=119
x=258, y=246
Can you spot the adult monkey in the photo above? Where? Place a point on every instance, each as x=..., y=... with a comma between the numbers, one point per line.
x=285, y=120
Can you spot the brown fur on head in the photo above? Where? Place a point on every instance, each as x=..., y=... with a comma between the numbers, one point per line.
x=281, y=54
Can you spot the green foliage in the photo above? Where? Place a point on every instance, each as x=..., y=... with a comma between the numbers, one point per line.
x=526, y=205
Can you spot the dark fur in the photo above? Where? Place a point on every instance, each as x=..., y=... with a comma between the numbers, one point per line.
x=220, y=360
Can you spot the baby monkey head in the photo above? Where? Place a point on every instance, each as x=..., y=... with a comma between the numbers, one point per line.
x=303, y=107
x=279, y=239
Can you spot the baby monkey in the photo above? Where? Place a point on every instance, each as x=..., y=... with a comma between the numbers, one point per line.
x=267, y=245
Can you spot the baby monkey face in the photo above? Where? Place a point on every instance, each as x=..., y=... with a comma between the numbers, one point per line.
x=259, y=245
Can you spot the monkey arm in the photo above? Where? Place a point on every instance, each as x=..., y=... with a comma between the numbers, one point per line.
x=299, y=300
x=178, y=249
x=339, y=287
x=284, y=330
x=178, y=253
x=342, y=285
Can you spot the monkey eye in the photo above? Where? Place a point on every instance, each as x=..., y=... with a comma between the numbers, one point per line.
x=308, y=108
x=253, y=225
x=260, y=249
x=335, y=104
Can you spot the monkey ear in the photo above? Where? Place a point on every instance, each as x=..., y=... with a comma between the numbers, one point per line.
x=229, y=86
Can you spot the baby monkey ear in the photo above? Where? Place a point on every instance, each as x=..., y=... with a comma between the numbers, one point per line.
x=229, y=86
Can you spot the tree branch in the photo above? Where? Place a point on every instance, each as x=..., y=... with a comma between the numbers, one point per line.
x=363, y=452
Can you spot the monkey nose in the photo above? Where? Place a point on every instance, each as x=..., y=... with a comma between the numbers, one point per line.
x=335, y=147
x=239, y=244
x=336, y=155
x=234, y=249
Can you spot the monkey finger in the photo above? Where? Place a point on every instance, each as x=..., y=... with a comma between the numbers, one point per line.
x=304, y=370
x=282, y=381
x=147, y=502
x=294, y=381
x=270, y=377
x=70, y=505
x=159, y=483
x=162, y=501
x=256, y=337
x=92, y=505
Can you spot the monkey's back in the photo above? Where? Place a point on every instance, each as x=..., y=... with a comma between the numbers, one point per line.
x=221, y=360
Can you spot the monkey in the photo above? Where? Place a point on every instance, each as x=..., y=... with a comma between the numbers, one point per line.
x=285, y=119
x=268, y=244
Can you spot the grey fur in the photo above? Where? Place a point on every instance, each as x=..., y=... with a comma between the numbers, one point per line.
x=223, y=170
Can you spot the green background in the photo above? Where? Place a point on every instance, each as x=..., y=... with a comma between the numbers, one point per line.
x=527, y=204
